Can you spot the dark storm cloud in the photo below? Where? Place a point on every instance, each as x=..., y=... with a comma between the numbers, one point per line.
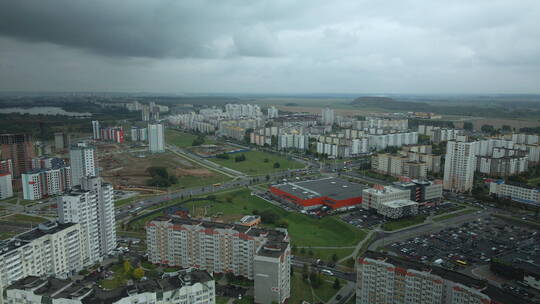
x=156, y=29
x=270, y=45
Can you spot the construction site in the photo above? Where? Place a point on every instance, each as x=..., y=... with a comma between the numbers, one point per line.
x=126, y=169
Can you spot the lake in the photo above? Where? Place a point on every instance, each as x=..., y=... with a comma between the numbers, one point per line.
x=42, y=111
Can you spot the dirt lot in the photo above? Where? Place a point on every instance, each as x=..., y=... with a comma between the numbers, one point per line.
x=129, y=169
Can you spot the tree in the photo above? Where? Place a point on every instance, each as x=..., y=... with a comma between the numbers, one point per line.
x=267, y=177
x=138, y=273
x=240, y=158
x=269, y=217
x=487, y=129
x=228, y=199
x=173, y=179
x=468, y=126
x=310, y=252
x=302, y=250
x=294, y=249
x=305, y=271
x=315, y=280
x=127, y=267
x=277, y=165
x=337, y=284
x=334, y=257
x=266, y=160
x=223, y=156
x=506, y=128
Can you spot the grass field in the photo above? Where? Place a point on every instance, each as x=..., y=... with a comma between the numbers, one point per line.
x=182, y=139
x=403, y=223
x=303, y=230
x=534, y=181
x=119, y=278
x=326, y=291
x=221, y=300
x=255, y=163
x=300, y=290
x=459, y=213
x=25, y=218
x=4, y=235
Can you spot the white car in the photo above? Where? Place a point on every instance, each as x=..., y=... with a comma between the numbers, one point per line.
x=328, y=272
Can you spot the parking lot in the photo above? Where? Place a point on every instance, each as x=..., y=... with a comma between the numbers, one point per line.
x=473, y=243
x=363, y=218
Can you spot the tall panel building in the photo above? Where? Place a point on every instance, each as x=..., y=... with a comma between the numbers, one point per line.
x=156, y=140
x=91, y=205
x=459, y=166
x=6, y=188
x=18, y=148
x=327, y=116
x=83, y=162
x=43, y=182
x=96, y=131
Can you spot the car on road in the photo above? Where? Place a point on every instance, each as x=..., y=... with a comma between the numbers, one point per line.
x=327, y=272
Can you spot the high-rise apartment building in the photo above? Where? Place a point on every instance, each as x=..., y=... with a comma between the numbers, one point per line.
x=156, y=139
x=91, y=205
x=328, y=116
x=459, y=166
x=61, y=141
x=6, y=187
x=39, y=183
x=96, y=131
x=273, y=112
x=19, y=149
x=385, y=279
x=51, y=249
x=258, y=254
x=83, y=162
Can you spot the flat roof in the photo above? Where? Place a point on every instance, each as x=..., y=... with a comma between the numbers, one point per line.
x=25, y=238
x=332, y=187
x=386, y=190
x=399, y=203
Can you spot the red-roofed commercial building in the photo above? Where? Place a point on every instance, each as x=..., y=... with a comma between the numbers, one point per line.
x=332, y=192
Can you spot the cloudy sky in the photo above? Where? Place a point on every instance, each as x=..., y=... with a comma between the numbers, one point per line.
x=271, y=46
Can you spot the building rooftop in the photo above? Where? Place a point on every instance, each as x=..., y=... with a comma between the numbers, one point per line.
x=399, y=203
x=493, y=292
x=383, y=190
x=26, y=237
x=333, y=188
x=67, y=289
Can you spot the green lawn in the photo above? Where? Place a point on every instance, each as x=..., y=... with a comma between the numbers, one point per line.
x=403, y=223
x=119, y=278
x=25, y=218
x=304, y=230
x=534, y=181
x=126, y=201
x=459, y=213
x=221, y=300
x=182, y=139
x=300, y=290
x=11, y=200
x=326, y=291
x=325, y=254
x=255, y=163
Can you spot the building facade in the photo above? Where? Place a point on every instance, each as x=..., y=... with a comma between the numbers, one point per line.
x=459, y=166
x=91, y=205
x=19, y=149
x=39, y=183
x=6, y=186
x=82, y=162
x=223, y=248
x=156, y=139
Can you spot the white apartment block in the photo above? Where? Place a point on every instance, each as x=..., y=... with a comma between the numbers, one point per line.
x=39, y=183
x=51, y=249
x=235, y=111
x=459, y=166
x=293, y=141
x=399, y=165
x=258, y=254
x=384, y=279
x=96, y=131
x=528, y=139
x=185, y=287
x=273, y=112
x=91, y=205
x=381, y=142
x=327, y=116
x=383, y=124
x=6, y=186
x=82, y=160
x=372, y=198
x=522, y=193
x=502, y=166
x=156, y=138
x=139, y=134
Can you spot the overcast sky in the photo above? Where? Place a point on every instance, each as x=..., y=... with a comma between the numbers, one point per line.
x=274, y=46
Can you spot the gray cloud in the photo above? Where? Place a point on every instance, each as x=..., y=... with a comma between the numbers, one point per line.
x=271, y=45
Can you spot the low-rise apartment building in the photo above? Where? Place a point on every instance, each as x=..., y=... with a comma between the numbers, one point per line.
x=522, y=193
